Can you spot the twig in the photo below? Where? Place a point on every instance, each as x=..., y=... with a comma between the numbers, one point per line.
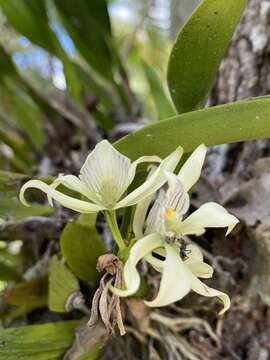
x=32, y=228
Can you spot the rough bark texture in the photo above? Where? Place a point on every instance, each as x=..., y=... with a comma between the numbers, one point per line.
x=245, y=73
x=241, y=171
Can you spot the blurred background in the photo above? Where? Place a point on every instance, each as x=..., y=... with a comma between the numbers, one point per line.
x=72, y=73
x=52, y=57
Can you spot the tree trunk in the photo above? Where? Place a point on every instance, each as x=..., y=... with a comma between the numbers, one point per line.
x=240, y=172
x=245, y=73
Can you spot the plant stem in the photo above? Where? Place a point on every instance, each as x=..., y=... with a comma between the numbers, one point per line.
x=111, y=220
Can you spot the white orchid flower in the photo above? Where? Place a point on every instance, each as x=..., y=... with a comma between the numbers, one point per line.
x=165, y=226
x=104, y=179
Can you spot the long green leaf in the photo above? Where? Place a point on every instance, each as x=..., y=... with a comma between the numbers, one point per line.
x=16, y=143
x=88, y=25
x=29, y=117
x=198, y=51
x=62, y=283
x=31, y=20
x=9, y=73
x=240, y=121
x=24, y=113
x=10, y=181
x=37, y=342
x=7, y=68
x=163, y=105
x=11, y=208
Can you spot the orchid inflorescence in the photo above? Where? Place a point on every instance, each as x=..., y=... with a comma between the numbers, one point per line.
x=160, y=224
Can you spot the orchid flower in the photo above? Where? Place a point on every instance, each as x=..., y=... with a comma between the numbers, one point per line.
x=181, y=267
x=104, y=179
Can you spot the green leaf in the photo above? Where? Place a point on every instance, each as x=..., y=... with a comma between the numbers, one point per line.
x=18, y=111
x=7, y=68
x=31, y=294
x=8, y=73
x=16, y=143
x=198, y=51
x=10, y=181
x=28, y=116
x=28, y=16
x=88, y=25
x=163, y=105
x=240, y=121
x=81, y=246
x=7, y=273
x=87, y=220
x=10, y=206
x=62, y=283
x=37, y=342
x=12, y=209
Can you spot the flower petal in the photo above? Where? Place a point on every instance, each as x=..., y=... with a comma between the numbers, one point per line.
x=209, y=215
x=155, y=218
x=194, y=254
x=204, y=290
x=175, y=281
x=140, y=214
x=105, y=172
x=175, y=199
x=130, y=274
x=65, y=200
x=176, y=196
x=161, y=251
x=156, y=263
x=195, y=263
x=141, y=211
x=201, y=269
x=143, y=159
x=154, y=182
x=191, y=170
x=74, y=183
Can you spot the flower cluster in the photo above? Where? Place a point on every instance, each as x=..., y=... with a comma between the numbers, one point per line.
x=159, y=223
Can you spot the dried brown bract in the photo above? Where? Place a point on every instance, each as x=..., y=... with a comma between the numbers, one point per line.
x=104, y=302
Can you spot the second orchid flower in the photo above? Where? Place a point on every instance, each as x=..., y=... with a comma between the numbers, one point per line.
x=162, y=244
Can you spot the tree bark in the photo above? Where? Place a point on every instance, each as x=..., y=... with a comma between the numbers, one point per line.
x=240, y=172
x=244, y=72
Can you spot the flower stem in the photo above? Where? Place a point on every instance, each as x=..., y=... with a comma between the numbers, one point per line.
x=111, y=220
